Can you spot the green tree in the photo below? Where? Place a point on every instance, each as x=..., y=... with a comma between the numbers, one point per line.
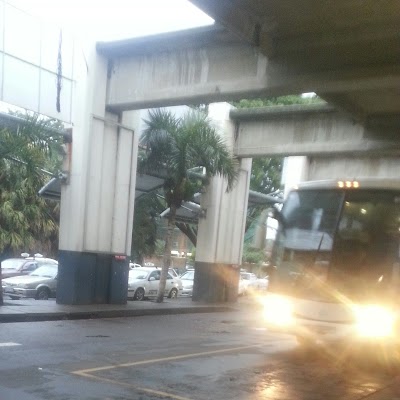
x=27, y=222
x=252, y=255
x=277, y=101
x=144, y=233
x=176, y=145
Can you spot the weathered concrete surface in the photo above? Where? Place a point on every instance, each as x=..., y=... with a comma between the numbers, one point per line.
x=347, y=54
x=307, y=130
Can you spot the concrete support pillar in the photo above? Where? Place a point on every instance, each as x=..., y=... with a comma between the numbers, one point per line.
x=295, y=170
x=97, y=202
x=220, y=233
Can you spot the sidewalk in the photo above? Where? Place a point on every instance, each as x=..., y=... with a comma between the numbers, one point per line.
x=48, y=310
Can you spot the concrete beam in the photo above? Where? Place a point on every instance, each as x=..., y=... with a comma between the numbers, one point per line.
x=222, y=72
x=306, y=130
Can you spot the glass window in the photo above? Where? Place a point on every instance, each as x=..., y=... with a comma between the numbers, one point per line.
x=30, y=267
x=346, y=238
x=12, y=263
x=155, y=275
x=137, y=274
x=309, y=219
x=187, y=276
x=46, y=271
x=367, y=239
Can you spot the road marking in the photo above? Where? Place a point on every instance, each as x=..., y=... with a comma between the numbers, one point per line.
x=173, y=358
x=9, y=344
x=129, y=385
x=87, y=373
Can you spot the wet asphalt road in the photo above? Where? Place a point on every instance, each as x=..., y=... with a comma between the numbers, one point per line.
x=195, y=356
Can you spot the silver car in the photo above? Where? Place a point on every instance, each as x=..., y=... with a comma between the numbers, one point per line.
x=23, y=266
x=39, y=284
x=144, y=282
x=187, y=279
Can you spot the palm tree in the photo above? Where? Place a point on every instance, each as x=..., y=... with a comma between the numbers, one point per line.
x=27, y=222
x=175, y=146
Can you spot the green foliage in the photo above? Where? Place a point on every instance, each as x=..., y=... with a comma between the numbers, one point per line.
x=144, y=233
x=192, y=258
x=28, y=222
x=252, y=255
x=175, y=146
x=265, y=178
x=266, y=173
x=277, y=101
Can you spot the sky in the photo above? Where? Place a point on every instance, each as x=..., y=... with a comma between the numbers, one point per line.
x=106, y=20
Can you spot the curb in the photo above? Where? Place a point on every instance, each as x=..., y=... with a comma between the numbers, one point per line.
x=76, y=315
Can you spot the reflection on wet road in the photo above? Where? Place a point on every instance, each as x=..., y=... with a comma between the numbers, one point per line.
x=244, y=374
x=180, y=357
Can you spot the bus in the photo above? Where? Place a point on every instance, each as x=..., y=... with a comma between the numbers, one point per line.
x=335, y=261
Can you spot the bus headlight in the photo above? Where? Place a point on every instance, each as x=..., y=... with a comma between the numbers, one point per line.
x=374, y=321
x=278, y=311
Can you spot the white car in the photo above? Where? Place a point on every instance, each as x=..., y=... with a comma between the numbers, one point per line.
x=247, y=283
x=39, y=284
x=187, y=279
x=144, y=282
x=134, y=265
x=24, y=265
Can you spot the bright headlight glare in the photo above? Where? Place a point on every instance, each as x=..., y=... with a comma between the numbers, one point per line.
x=374, y=321
x=278, y=311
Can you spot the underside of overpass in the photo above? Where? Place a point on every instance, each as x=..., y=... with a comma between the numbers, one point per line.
x=347, y=51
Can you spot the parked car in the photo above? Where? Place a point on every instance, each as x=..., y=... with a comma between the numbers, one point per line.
x=39, y=284
x=134, y=265
x=23, y=265
x=187, y=282
x=144, y=282
x=247, y=282
x=172, y=271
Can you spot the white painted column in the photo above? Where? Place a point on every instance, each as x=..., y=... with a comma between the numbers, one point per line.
x=220, y=233
x=97, y=204
x=295, y=170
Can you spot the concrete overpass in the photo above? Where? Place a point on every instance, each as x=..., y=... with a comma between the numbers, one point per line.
x=346, y=51
x=319, y=141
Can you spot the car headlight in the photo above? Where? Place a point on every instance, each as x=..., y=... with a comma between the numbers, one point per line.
x=374, y=321
x=278, y=310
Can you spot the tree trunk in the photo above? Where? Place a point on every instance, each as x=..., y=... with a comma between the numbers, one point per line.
x=167, y=254
x=189, y=231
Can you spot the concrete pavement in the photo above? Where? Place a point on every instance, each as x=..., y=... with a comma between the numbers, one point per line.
x=48, y=310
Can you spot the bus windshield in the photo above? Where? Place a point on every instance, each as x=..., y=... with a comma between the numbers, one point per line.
x=335, y=242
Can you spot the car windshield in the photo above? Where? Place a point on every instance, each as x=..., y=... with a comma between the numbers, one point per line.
x=12, y=263
x=137, y=274
x=45, y=271
x=188, y=275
